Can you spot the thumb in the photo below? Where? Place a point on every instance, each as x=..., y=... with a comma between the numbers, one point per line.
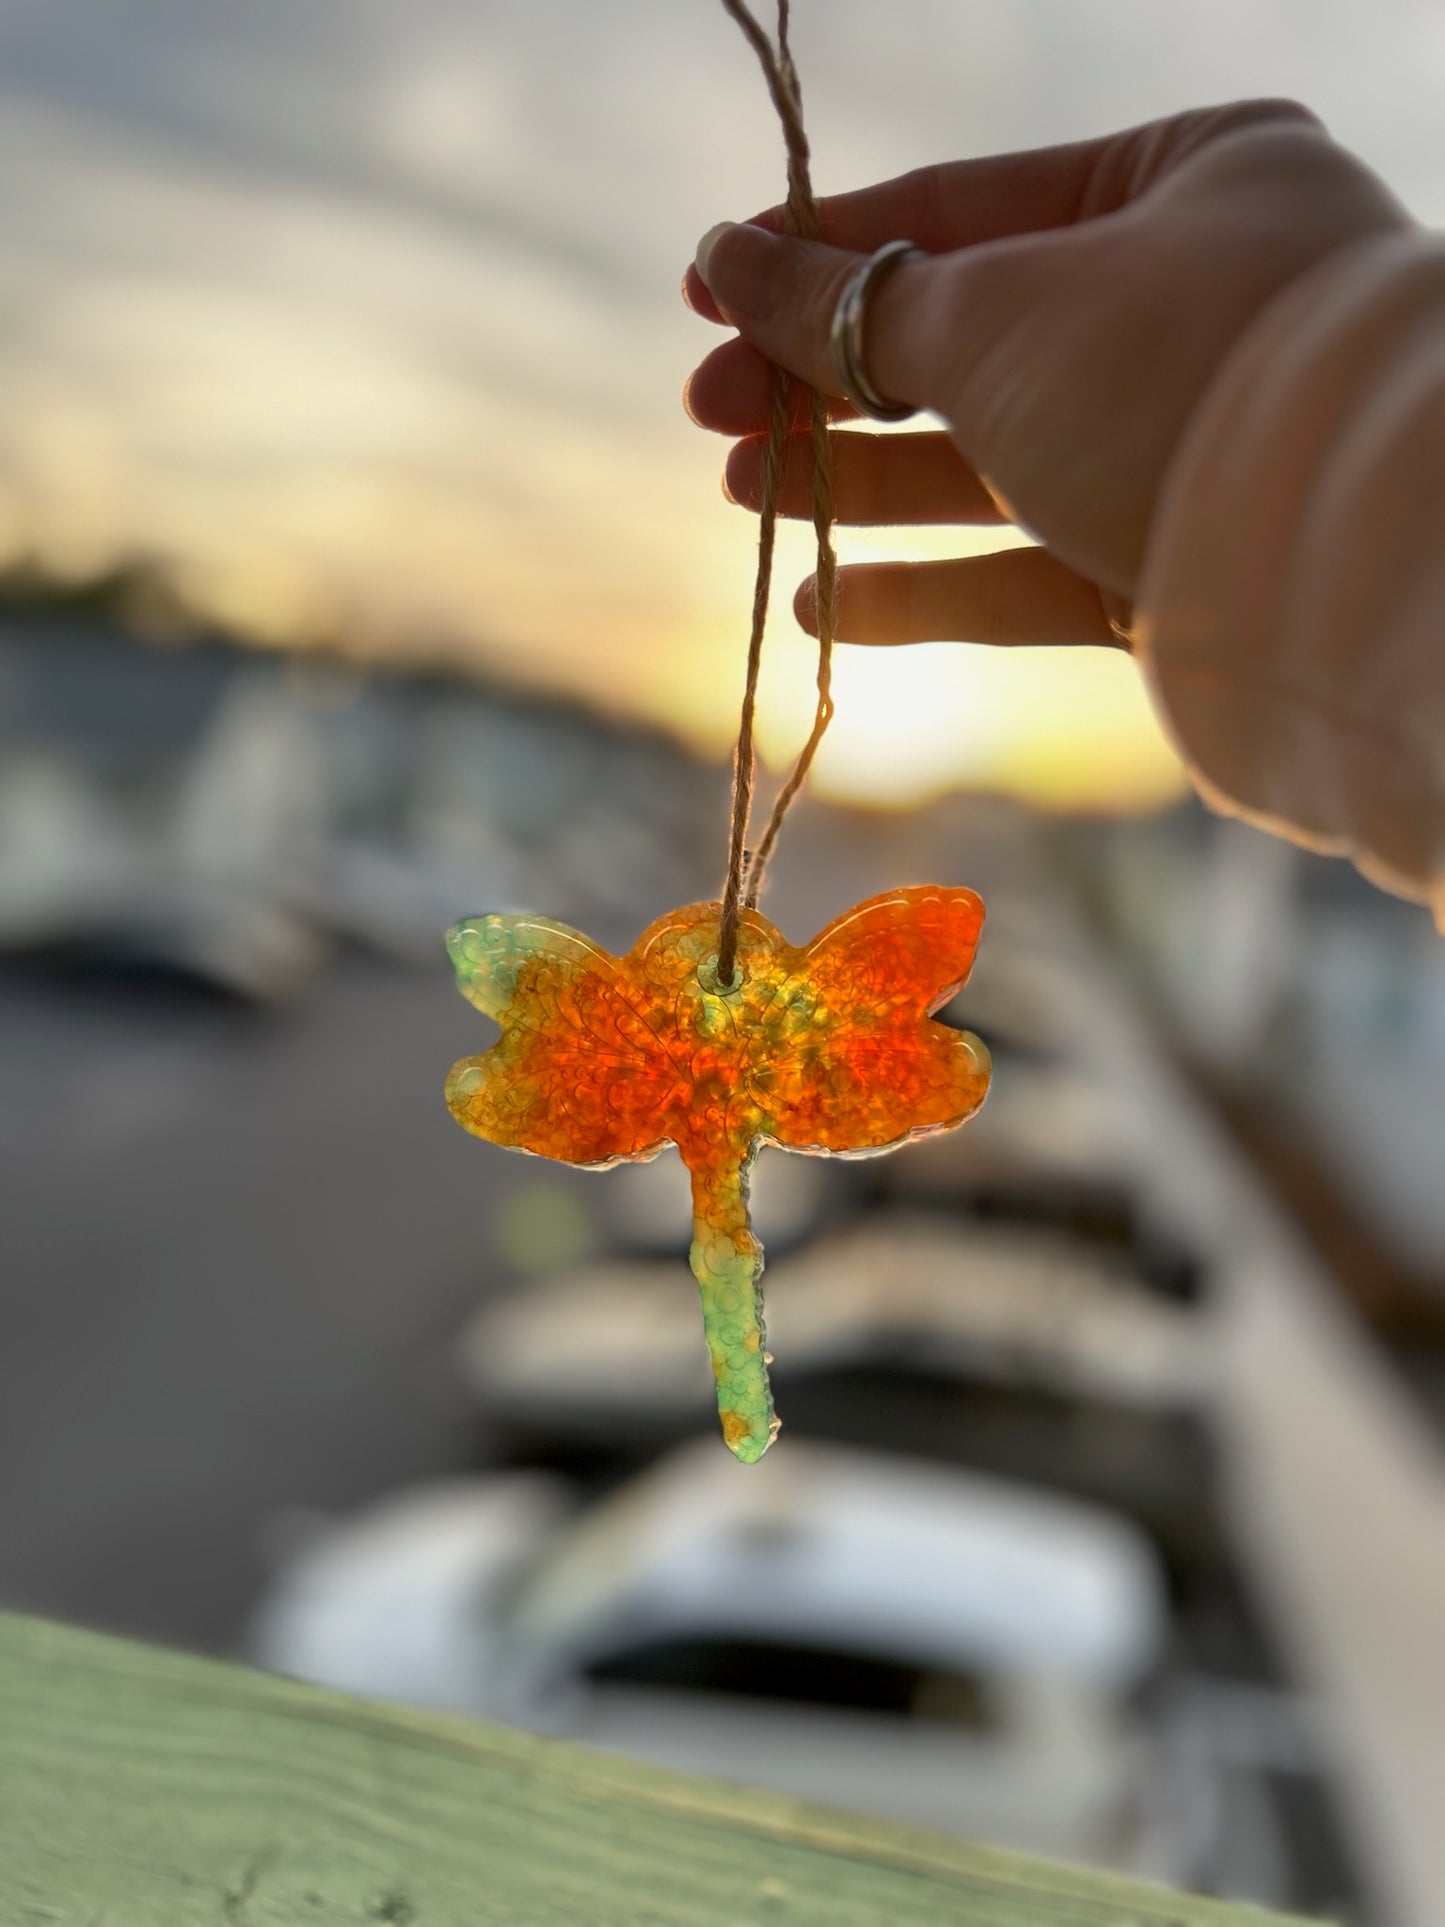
x=780, y=293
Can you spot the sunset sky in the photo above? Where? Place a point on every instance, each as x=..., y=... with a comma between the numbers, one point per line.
x=365, y=315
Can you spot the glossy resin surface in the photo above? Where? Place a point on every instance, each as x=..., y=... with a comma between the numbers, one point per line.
x=830, y=1048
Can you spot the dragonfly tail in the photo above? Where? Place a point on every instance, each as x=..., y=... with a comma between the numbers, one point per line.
x=727, y=1262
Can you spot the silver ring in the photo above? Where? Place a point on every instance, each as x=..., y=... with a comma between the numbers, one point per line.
x=846, y=336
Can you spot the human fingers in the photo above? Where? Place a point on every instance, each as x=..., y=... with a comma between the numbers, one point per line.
x=877, y=479
x=731, y=391
x=781, y=293
x=1067, y=363
x=1015, y=596
x=958, y=204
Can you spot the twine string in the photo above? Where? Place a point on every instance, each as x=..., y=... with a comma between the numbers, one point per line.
x=746, y=871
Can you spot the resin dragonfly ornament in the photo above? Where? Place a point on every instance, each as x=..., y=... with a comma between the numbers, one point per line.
x=714, y=1033
x=830, y=1049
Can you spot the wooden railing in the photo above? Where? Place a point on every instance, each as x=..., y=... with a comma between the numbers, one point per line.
x=141, y=1788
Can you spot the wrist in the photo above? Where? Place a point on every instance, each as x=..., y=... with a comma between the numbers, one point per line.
x=1297, y=508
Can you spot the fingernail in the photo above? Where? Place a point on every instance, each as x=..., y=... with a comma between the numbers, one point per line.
x=805, y=605
x=739, y=267
x=689, y=399
x=705, y=247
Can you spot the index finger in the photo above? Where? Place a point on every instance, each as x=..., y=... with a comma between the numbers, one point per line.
x=949, y=205
x=956, y=204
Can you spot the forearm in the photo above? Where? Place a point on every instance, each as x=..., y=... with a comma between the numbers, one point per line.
x=1291, y=612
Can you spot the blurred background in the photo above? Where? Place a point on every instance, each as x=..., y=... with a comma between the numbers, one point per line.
x=361, y=571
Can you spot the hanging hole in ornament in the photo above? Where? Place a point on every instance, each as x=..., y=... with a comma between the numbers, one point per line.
x=712, y=983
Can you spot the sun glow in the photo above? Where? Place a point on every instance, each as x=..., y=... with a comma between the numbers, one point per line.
x=422, y=444
x=1062, y=728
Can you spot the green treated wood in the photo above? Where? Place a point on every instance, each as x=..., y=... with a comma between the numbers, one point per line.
x=141, y=1788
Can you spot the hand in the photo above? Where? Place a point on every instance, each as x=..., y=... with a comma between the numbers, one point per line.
x=1079, y=301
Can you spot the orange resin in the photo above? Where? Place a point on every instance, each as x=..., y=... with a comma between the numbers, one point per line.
x=827, y=1049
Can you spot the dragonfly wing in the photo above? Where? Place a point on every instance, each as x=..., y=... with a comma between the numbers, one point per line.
x=865, y=1067
x=582, y=1073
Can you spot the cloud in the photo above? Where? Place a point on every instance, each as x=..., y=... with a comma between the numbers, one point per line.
x=371, y=308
